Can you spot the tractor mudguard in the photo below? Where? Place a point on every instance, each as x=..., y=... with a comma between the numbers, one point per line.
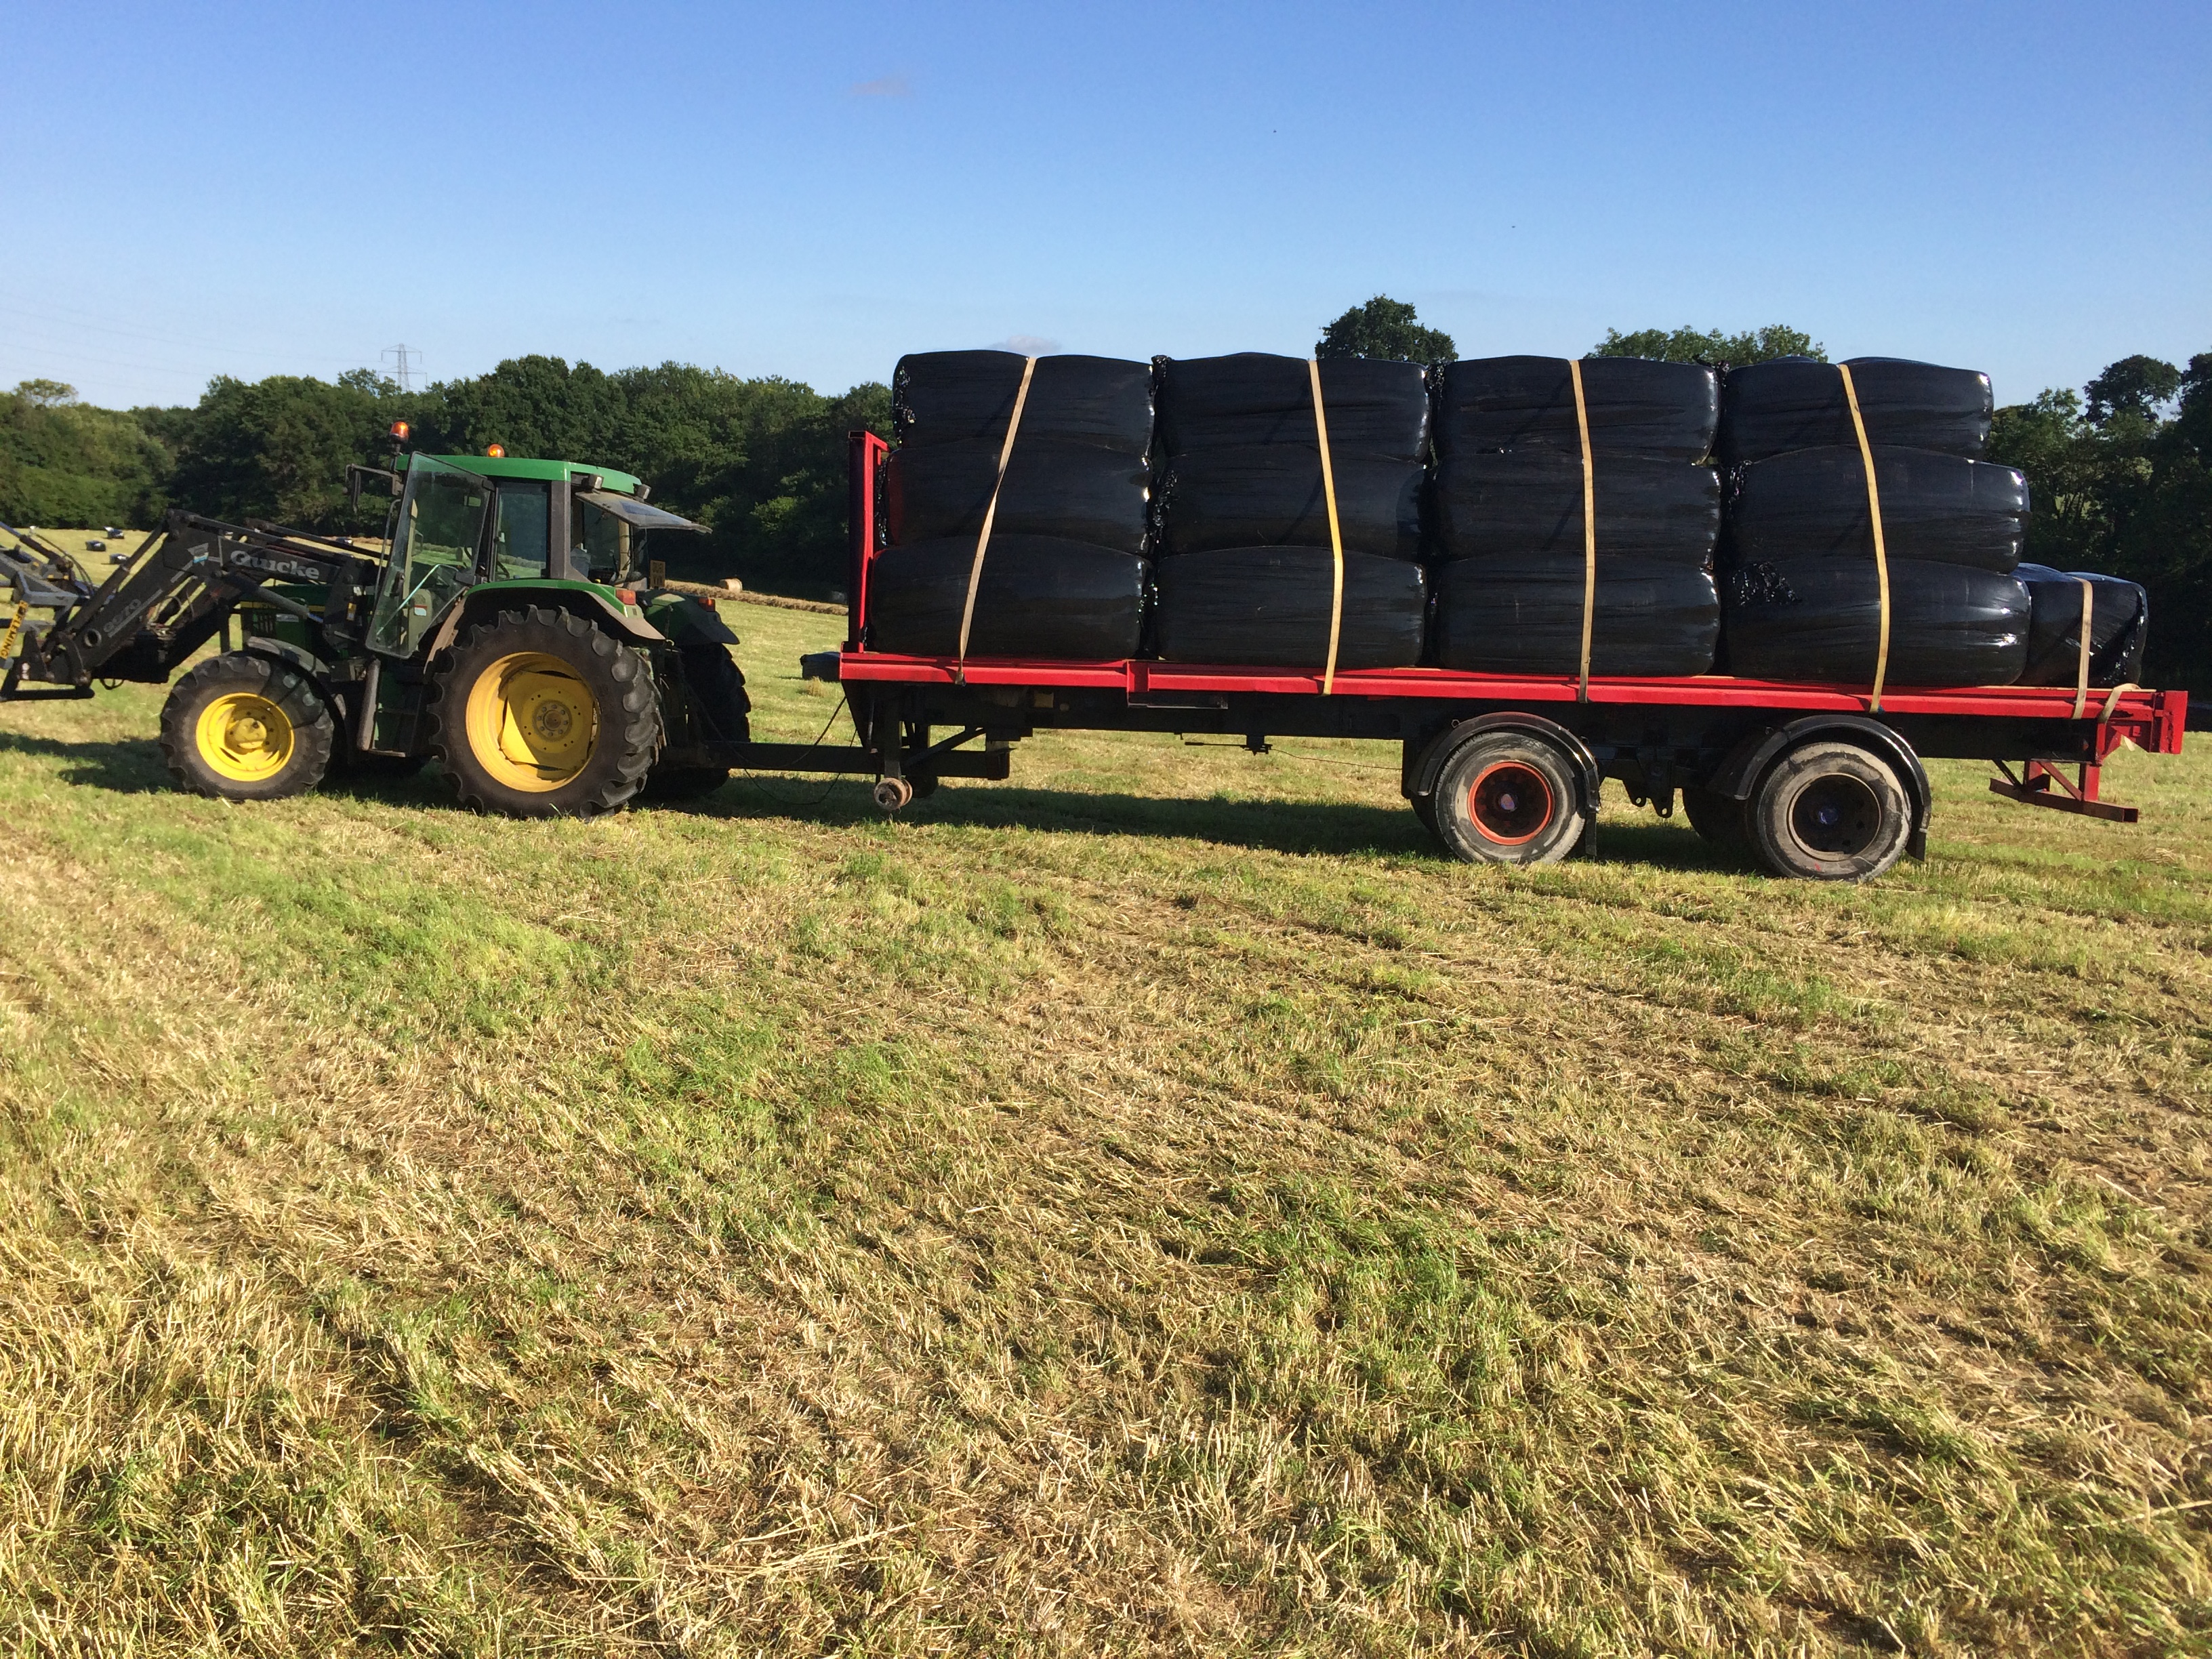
x=686, y=621
x=477, y=605
x=295, y=656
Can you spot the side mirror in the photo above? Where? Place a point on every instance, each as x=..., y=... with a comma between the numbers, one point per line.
x=356, y=476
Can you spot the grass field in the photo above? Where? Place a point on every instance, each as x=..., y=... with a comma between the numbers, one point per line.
x=1155, y=1205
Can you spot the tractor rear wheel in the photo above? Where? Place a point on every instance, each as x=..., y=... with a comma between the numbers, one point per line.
x=539, y=714
x=244, y=727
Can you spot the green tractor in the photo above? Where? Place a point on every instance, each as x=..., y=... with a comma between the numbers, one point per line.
x=510, y=627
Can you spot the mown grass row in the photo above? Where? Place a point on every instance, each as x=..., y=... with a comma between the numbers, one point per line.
x=1155, y=1205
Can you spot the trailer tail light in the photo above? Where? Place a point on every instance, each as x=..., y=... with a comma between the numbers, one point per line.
x=627, y=595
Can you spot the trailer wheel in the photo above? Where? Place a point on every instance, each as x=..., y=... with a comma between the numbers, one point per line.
x=1717, y=818
x=1829, y=811
x=539, y=714
x=243, y=728
x=1508, y=798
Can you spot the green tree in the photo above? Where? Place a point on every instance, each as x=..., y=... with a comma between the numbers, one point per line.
x=2117, y=487
x=2132, y=389
x=531, y=405
x=760, y=462
x=45, y=394
x=278, y=448
x=1711, y=346
x=1384, y=327
x=65, y=464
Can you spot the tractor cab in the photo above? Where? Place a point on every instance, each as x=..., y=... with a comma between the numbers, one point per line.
x=461, y=522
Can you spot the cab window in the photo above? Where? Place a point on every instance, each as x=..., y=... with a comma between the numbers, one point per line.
x=523, y=543
x=606, y=541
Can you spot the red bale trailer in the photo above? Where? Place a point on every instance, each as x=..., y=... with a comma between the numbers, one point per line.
x=1821, y=782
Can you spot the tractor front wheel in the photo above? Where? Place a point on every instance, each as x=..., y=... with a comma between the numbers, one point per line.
x=539, y=714
x=244, y=727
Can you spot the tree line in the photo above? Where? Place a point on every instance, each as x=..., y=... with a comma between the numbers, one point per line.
x=2120, y=471
x=760, y=462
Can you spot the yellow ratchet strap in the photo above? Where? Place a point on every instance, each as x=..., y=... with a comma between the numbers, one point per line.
x=2113, y=701
x=1335, y=533
x=2081, y=675
x=1589, y=523
x=1881, y=549
x=991, y=511
x=15, y=629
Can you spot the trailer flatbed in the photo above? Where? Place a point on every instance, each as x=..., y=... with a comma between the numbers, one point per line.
x=1822, y=780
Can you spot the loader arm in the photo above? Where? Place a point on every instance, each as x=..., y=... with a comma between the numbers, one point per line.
x=172, y=595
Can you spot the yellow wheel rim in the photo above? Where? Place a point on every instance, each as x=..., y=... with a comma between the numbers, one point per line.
x=243, y=737
x=532, y=724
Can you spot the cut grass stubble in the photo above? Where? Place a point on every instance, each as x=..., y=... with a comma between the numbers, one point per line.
x=1153, y=1206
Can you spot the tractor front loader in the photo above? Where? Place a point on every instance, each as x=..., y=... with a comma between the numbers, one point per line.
x=503, y=626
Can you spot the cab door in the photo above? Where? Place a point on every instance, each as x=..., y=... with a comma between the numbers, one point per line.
x=440, y=537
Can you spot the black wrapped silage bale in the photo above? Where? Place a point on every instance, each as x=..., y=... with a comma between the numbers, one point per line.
x=1053, y=487
x=1246, y=575
x=1798, y=402
x=1268, y=607
x=1816, y=619
x=2119, y=623
x=1271, y=495
x=1636, y=406
x=1038, y=596
x=951, y=396
x=1813, y=503
x=1063, y=577
x=1375, y=406
x=1522, y=503
x=1507, y=616
x=1509, y=518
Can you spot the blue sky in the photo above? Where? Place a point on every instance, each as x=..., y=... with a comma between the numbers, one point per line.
x=811, y=190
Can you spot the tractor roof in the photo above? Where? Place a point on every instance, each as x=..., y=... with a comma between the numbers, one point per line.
x=513, y=467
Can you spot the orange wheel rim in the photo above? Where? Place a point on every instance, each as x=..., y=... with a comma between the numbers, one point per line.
x=1510, y=803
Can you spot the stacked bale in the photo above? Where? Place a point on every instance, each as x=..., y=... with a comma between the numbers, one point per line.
x=1802, y=591
x=1509, y=526
x=1063, y=573
x=1246, y=572
x=2118, y=614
